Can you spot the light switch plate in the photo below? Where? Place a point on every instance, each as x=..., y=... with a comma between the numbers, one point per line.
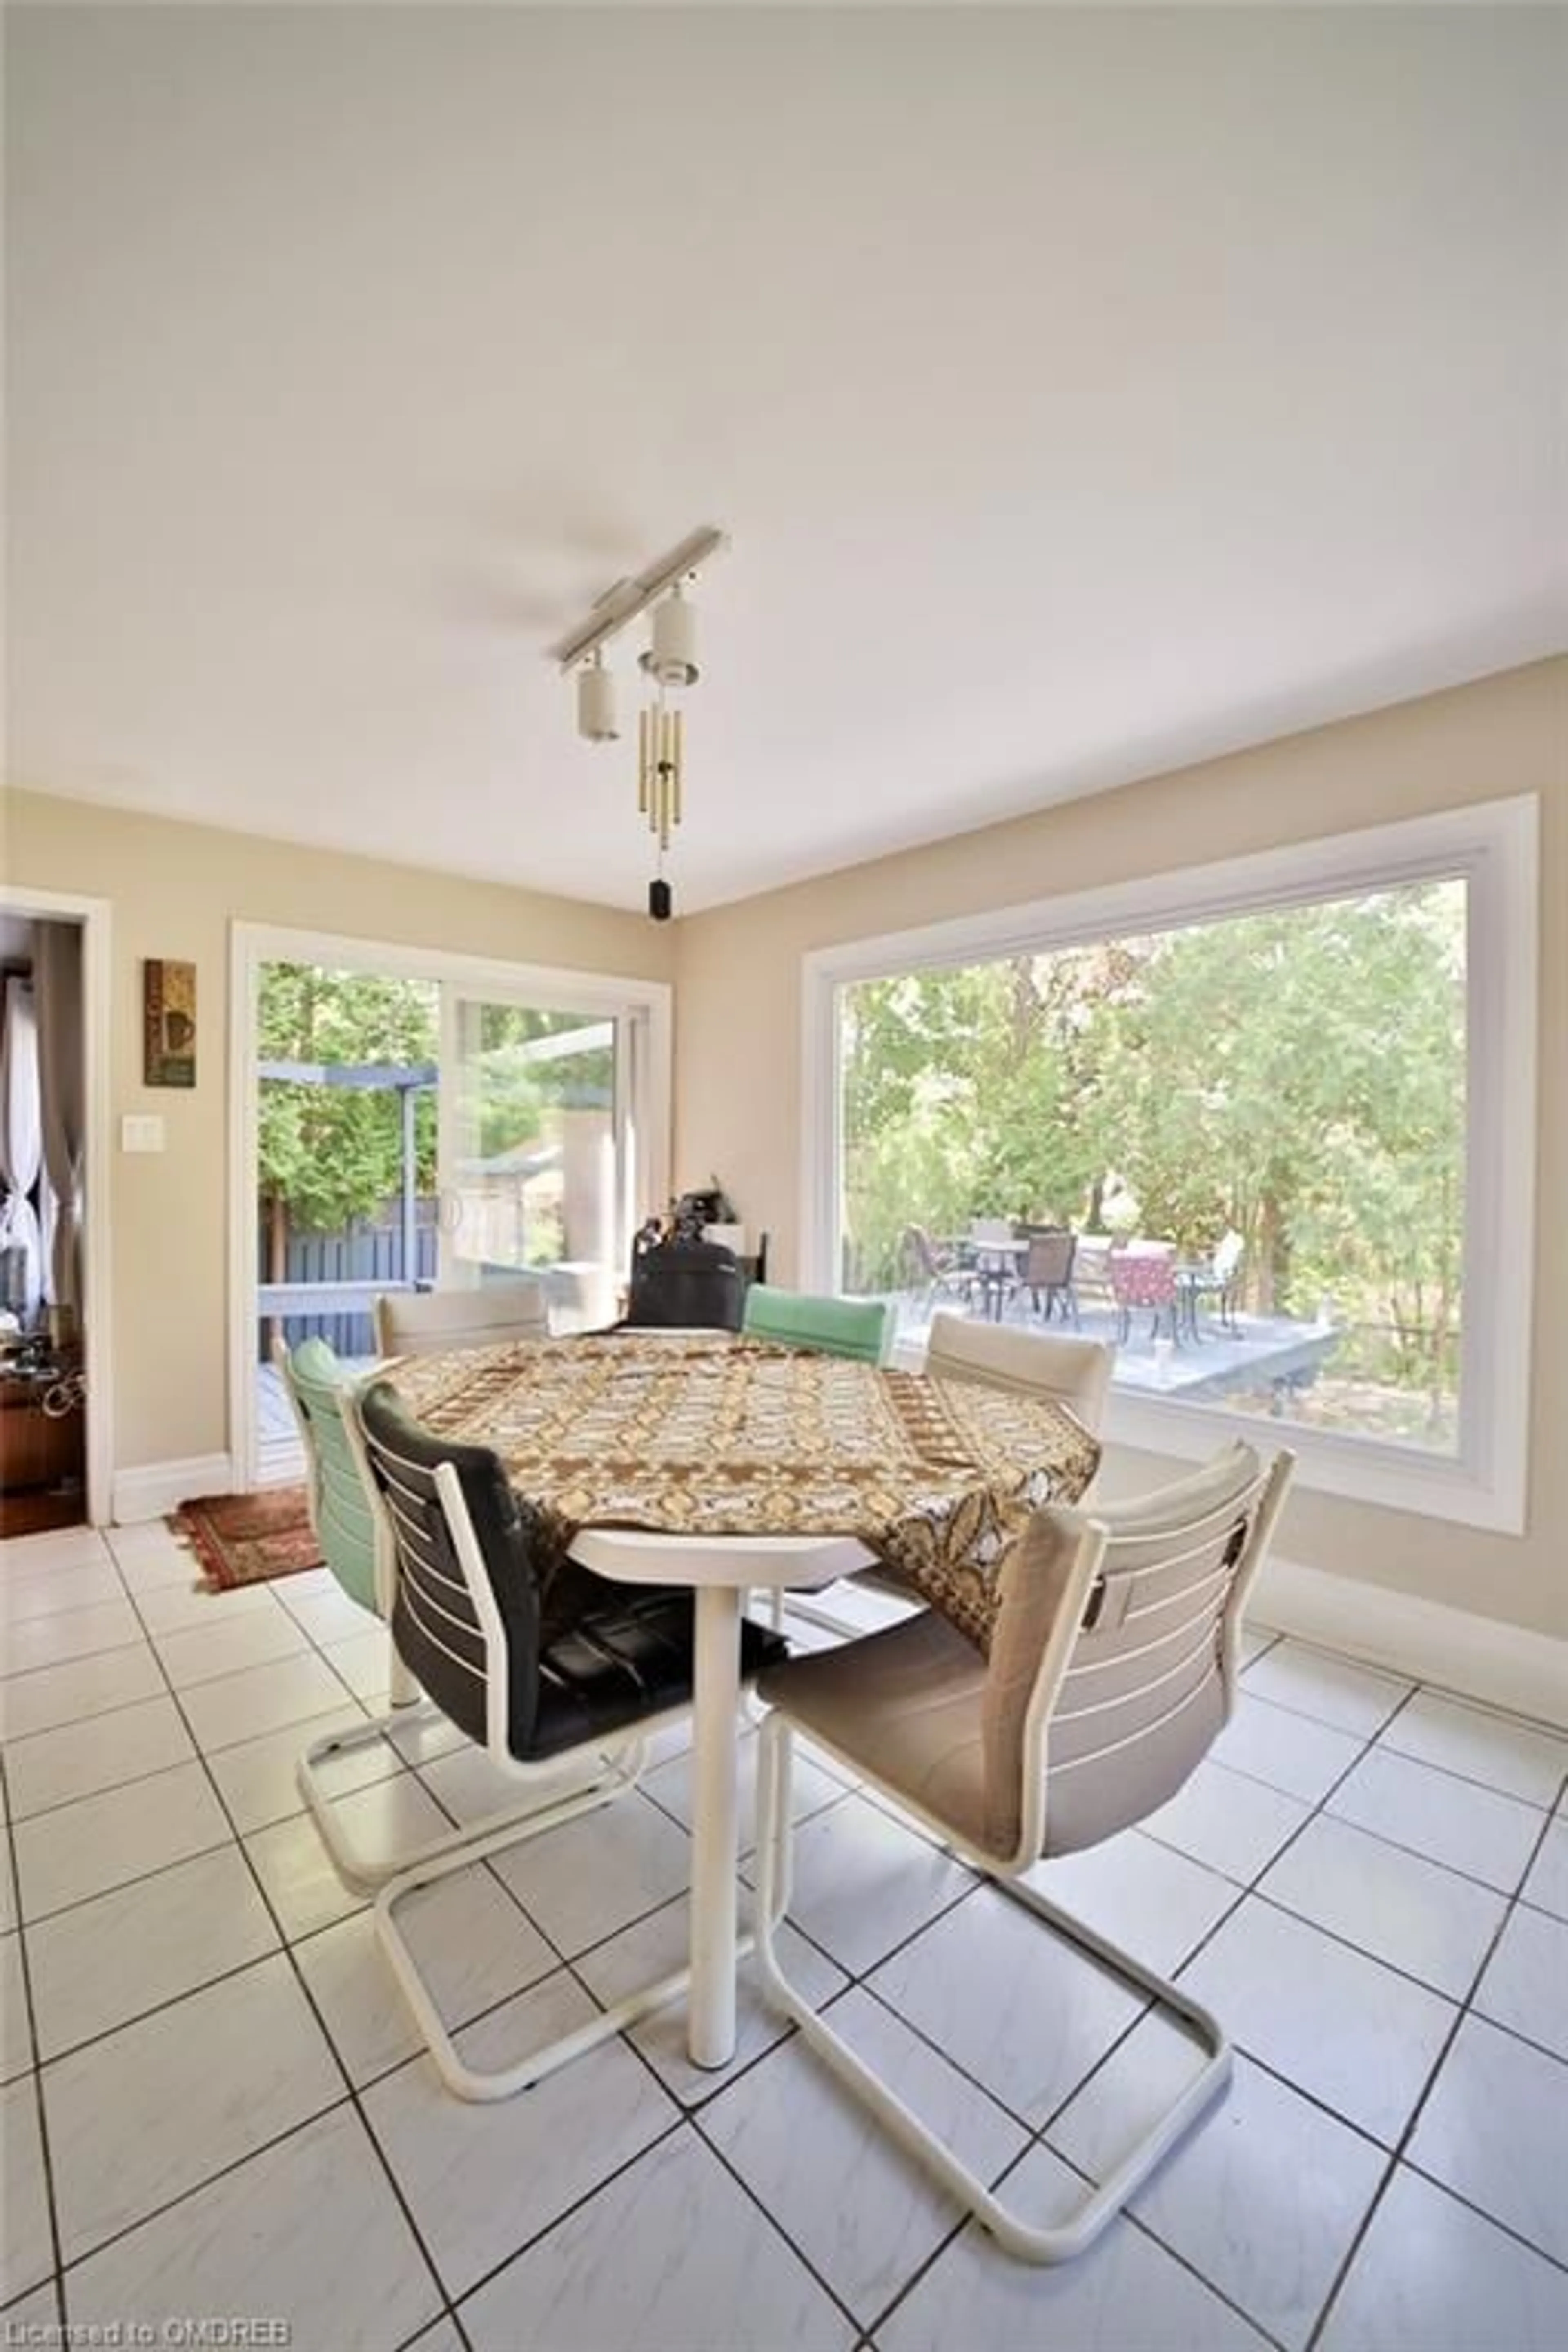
x=141, y=1132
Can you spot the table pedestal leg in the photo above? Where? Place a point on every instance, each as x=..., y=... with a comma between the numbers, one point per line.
x=716, y=1699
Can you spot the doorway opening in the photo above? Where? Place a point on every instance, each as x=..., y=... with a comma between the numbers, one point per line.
x=45, y=1451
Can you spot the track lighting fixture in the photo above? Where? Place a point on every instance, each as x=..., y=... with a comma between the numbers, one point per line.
x=596, y=701
x=671, y=654
x=669, y=660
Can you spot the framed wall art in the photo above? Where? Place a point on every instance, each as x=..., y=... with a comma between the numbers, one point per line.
x=169, y=1022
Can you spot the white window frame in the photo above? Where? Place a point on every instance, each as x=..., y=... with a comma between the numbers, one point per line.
x=645, y=1115
x=1495, y=846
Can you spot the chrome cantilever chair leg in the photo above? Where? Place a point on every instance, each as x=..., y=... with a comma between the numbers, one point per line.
x=1030, y=2242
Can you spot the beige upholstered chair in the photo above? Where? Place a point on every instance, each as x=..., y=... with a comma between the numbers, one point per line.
x=429, y=1322
x=1113, y=1666
x=1047, y=1363
x=960, y=1348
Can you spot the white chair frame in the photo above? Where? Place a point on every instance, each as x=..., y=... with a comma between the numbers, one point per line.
x=1030, y=2242
x=466, y=2082
x=620, y=1770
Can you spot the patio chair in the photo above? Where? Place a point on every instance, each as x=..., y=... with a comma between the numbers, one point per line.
x=1219, y=1280
x=359, y=1546
x=684, y=1285
x=1112, y=1667
x=1047, y=1269
x=538, y=1664
x=432, y=1322
x=1092, y=1255
x=936, y=1272
x=860, y=1327
x=995, y=1250
x=1145, y=1276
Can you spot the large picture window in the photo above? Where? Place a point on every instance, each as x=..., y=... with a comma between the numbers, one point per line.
x=1258, y=1128
x=1236, y=1149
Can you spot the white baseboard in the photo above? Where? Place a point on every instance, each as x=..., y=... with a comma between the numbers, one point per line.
x=152, y=1489
x=1479, y=1657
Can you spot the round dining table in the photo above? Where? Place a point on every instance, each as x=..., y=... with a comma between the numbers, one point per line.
x=726, y=1463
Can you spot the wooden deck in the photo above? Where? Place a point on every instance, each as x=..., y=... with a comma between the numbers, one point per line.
x=1264, y=1354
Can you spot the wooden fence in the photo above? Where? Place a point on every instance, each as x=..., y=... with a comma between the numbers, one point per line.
x=367, y=1256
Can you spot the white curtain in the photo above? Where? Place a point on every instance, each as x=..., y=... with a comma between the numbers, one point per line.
x=56, y=981
x=20, y=1136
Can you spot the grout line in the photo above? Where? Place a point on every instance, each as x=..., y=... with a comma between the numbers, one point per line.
x=75, y=1722
x=1507, y=2229
x=32, y=2074
x=677, y=2123
x=110, y=1788
x=196, y=2189
x=157, y=2007
x=771, y=2218
x=118, y=1885
x=20, y=1674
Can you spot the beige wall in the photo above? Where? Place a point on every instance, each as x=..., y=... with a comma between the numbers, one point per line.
x=738, y=1049
x=174, y=889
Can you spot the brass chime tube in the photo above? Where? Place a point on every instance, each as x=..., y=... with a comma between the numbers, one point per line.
x=666, y=747
x=656, y=781
x=661, y=759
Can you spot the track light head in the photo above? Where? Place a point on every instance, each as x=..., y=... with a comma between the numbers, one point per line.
x=596, y=703
x=671, y=656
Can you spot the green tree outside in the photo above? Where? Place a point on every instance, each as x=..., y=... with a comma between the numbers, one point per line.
x=1298, y=1075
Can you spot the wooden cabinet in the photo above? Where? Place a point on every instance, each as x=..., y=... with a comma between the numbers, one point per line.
x=37, y=1449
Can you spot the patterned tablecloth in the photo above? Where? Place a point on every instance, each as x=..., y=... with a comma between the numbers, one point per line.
x=704, y=1433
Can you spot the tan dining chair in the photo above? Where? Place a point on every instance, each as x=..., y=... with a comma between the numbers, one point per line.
x=431, y=1322
x=1075, y=1372
x=1112, y=1667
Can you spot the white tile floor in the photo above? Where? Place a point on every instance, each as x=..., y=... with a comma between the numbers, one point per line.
x=214, y=2103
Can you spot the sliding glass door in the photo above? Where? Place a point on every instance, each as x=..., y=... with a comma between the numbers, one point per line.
x=407, y=1118
x=533, y=1146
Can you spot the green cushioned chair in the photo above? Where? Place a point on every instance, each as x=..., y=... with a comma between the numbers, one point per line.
x=343, y=1513
x=861, y=1328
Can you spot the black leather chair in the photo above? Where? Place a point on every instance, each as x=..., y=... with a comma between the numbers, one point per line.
x=690, y=1286
x=534, y=1658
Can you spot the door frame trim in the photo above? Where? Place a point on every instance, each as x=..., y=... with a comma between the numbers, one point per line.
x=253, y=944
x=96, y=917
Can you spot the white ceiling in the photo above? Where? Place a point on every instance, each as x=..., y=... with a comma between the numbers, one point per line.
x=1085, y=392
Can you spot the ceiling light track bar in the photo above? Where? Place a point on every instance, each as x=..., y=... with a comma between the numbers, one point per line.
x=628, y=598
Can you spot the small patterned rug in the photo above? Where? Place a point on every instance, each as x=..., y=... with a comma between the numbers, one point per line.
x=247, y=1538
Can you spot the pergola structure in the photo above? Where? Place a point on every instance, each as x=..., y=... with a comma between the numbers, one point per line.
x=409, y=1079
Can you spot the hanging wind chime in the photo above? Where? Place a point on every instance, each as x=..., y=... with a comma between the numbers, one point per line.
x=669, y=661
